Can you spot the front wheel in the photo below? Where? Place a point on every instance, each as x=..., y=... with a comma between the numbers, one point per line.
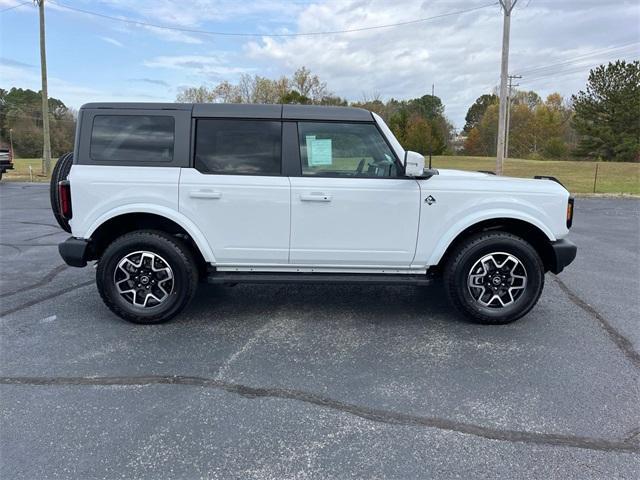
x=494, y=277
x=147, y=276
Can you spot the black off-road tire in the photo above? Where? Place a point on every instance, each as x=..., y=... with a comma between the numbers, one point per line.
x=60, y=172
x=470, y=251
x=172, y=250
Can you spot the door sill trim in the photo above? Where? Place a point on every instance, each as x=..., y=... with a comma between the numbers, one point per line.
x=296, y=269
x=318, y=278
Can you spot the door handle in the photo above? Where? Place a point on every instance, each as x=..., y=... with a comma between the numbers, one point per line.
x=315, y=197
x=204, y=194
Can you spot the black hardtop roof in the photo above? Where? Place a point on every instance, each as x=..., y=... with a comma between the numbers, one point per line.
x=243, y=110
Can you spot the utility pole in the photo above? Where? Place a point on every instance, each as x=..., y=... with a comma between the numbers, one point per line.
x=433, y=88
x=509, y=99
x=11, y=142
x=507, y=8
x=46, y=147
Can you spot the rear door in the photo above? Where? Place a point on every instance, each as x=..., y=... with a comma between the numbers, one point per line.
x=236, y=193
x=351, y=205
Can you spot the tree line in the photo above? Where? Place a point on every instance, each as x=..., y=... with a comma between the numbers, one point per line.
x=21, y=123
x=600, y=122
x=419, y=123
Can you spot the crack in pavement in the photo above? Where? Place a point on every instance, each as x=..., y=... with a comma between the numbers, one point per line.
x=40, y=223
x=32, y=244
x=633, y=435
x=46, y=279
x=61, y=232
x=622, y=342
x=367, y=413
x=11, y=246
x=35, y=301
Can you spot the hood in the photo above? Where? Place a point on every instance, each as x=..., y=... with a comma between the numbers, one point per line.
x=461, y=180
x=462, y=173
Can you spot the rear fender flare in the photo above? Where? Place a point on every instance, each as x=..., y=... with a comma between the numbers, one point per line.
x=192, y=230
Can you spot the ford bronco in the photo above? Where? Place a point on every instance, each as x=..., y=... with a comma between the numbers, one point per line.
x=162, y=196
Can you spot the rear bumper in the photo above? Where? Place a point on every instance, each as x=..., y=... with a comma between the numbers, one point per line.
x=564, y=252
x=75, y=251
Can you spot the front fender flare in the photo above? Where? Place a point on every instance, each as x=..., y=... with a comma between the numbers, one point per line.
x=469, y=221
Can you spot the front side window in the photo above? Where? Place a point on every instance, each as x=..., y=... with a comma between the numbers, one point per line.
x=137, y=138
x=345, y=150
x=238, y=147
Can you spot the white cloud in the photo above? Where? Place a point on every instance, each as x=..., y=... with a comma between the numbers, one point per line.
x=460, y=54
x=13, y=3
x=72, y=94
x=208, y=67
x=151, y=81
x=112, y=41
x=187, y=13
x=174, y=35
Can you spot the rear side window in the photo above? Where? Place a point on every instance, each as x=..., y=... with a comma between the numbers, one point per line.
x=132, y=138
x=238, y=147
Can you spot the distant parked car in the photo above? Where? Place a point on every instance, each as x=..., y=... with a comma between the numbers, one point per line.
x=6, y=160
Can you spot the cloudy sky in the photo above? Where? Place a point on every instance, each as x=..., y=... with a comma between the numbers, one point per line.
x=94, y=58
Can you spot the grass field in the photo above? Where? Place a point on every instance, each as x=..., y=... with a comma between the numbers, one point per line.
x=20, y=172
x=578, y=177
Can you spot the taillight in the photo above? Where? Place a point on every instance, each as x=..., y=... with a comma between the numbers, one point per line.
x=64, y=199
x=570, y=212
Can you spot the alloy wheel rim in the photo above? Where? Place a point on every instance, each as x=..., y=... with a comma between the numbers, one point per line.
x=144, y=279
x=497, y=280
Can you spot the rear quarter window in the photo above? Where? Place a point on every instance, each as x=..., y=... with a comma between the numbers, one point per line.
x=238, y=147
x=132, y=138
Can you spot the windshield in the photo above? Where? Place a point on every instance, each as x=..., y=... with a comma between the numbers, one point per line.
x=395, y=144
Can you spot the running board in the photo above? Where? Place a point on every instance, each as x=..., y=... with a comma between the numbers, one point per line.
x=326, y=278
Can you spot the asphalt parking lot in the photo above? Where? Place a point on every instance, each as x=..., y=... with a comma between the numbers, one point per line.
x=320, y=382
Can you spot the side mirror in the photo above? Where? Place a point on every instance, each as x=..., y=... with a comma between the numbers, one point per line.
x=413, y=164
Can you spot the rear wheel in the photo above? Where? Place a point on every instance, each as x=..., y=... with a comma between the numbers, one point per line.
x=147, y=276
x=60, y=172
x=494, y=277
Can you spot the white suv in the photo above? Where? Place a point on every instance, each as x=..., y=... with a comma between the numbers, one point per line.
x=165, y=195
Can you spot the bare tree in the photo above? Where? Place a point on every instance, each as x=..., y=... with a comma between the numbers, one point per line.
x=246, y=87
x=309, y=85
x=226, y=92
x=200, y=94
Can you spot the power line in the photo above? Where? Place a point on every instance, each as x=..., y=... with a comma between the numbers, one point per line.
x=542, y=71
x=132, y=21
x=15, y=6
x=569, y=69
x=593, y=53
x=575, y=69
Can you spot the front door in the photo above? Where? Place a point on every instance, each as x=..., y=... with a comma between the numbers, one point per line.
x=351, y=206
x=236, y=193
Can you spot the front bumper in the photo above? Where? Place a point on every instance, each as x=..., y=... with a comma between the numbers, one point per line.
x=75, y=251
x=564, y=252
